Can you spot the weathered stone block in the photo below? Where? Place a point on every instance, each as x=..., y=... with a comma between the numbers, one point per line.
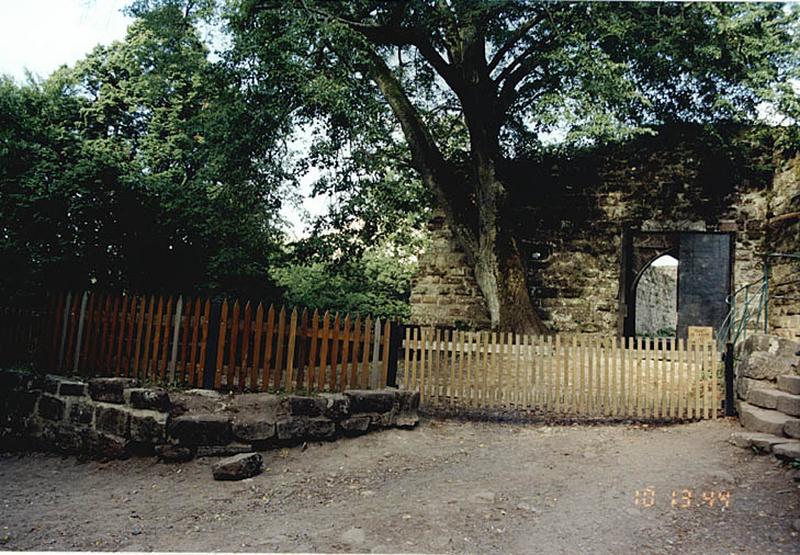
x=290, y=429
x=23, y=404
x=72, y=389
x=766, y=398
x=148, y=428
x=148, y=399
x=321, y=428
x=408, y=400
x=337, y=406
x=238, y=467
x=766, y=421
x=113, y=420
x=223, y=450
x=767, y=357
x=81, y=413
x=355, y=425
x=789, y=384
x=201, y=429
x=51, y=408
x=174, y=453
x=253, y=430
x=763, y=442
x=109, y=390
x=362, y=401
x=304, y=406
x=789, y=404
x=106, y=446
x=792, y=428
x=789, y=450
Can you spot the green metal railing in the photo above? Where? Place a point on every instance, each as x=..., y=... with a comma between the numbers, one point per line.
x=749, y=304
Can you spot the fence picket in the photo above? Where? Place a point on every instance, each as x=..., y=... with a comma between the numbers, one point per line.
x=245, y=372
x=258, y=336
x=193, y=347
x=367, y=341
x=313, y=351
x=323, y=351
x=223, y=331
x=334, y=353
x=289, y=383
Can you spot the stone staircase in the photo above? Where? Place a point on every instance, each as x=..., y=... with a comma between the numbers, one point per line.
x=771, y=415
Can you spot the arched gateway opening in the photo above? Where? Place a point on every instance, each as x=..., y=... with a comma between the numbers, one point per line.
x=657, y=298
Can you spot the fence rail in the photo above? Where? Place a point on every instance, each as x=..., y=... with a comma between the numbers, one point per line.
x=194, y=341
x=567, y=375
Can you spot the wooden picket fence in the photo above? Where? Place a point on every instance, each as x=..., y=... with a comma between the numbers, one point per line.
x=196, y=342
x=563, y=375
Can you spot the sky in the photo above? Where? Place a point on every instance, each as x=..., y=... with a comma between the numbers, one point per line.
x=41, y=35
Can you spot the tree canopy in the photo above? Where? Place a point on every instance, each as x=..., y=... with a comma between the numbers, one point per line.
x=447, y=93
x=153, y=164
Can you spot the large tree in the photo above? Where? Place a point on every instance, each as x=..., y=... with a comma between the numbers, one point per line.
x=454, y=89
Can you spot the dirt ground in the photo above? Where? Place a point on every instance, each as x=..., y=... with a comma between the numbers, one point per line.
x=445, y=486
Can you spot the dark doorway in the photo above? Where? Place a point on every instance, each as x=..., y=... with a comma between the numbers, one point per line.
x=704, y=277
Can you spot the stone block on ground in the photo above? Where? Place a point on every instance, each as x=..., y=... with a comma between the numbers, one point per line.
x=789, y=404
x=253, y=429
x=148, y=398
x=288, y=430
x=409, y=400
x=106, y=446
x=174, y=453
x=765, y=357
x=113, y=420
x=73, y=389
x=745, y=385
x=355, y=425
x=201, y=429
x=223, y=450
x=761, y=441
x=305, y=406
x=148, y=428
x=365, y=401
x=337, y=406
x=109, y=390
x=51, y=408
x=792, y=428
x=81, y=413
x=789, y=450
x=766, y=421
x=766, y=398
x=321, y=428
x=238, y=467
x=789, y=384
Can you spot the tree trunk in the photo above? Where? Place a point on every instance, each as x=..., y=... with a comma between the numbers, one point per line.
x=499, y=269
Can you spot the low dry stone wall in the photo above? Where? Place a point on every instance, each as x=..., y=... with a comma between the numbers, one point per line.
x=109, y=418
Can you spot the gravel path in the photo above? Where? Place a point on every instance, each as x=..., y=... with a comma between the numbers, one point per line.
x=444, y=487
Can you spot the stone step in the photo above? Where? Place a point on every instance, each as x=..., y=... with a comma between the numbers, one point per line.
x=790, y=450
x=775, y=399
x=756, y=419
x=763, y=442
x=789, y=384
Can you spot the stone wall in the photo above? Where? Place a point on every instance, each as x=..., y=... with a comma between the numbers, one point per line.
x=657, y=301
x=110, y=418
x=784, y=237
x=444, y=290
x=571, y=214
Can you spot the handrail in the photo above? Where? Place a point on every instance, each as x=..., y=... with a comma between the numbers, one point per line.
x=732, y=328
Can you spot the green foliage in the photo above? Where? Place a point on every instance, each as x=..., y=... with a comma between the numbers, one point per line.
x=135, y=169
x=377, y=283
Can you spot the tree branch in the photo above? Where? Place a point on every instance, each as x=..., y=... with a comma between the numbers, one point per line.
x=517, y=36
x=425, y=154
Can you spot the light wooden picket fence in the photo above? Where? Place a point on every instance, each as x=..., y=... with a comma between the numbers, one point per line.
x=563, y=375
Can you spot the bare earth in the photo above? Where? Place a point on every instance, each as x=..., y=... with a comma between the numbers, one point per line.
x=444, y=487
